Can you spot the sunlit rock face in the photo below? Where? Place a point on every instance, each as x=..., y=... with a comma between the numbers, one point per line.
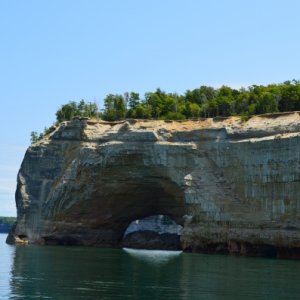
x=233, y=186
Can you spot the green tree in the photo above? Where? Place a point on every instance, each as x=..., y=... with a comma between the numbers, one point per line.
x=109, y=111
x=201, y=95
x=67, y=112
x=155, y=101
x=133, y=100
x=81, y=109
x=115, y=107
x=289, y=97
x=204, y=101
x=172, y=115
x=143, y=111
x=193, y=110
x=120, y=107
x=90, y=110
x=34, y=137
x=225, y=106
x=266, y=103
x=241, y=103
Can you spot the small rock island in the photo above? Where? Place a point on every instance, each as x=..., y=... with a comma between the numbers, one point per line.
x=232, y=185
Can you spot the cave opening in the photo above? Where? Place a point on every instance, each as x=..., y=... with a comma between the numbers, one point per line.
x=155, y=232
x=115, y=199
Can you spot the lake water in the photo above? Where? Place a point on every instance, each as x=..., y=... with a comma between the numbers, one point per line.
x=37, y=272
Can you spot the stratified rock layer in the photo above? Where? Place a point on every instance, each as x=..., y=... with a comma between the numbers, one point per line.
x=233, y=186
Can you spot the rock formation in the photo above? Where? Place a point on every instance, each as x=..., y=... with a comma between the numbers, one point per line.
x=232, y=185
x=154, y=232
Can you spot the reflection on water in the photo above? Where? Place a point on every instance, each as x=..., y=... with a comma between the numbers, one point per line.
x=6, y=262
x=87, y=273
x=153, y=256
x=35, y=272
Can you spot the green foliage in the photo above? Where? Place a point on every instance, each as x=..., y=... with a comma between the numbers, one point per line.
x=143, y=112
x=34, y=137
x=245, y=117
x=6, y=223
x=133, y=100
x=81, y=109
x=7, y=220
x=174, y=116
x=266, y=103
x=115, y=107
x=193, y=110
x=204, y=102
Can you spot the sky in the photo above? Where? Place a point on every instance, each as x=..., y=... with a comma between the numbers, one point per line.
x=56, y=51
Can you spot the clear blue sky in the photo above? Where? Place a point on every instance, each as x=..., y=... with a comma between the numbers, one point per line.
x=55, y=51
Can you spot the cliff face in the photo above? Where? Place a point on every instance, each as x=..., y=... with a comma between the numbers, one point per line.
x=233, y=186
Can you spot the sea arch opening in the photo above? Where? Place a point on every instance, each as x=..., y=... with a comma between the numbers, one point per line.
x=110, y=202
x=156, y=232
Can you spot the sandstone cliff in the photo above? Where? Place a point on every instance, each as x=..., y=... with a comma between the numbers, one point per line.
x=232, y=185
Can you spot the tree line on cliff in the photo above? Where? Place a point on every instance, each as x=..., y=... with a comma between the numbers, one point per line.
x=204, y=102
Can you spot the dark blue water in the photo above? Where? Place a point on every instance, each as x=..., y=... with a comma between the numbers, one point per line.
x=36, y=272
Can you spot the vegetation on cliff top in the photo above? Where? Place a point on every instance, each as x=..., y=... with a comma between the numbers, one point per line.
x=204, y=101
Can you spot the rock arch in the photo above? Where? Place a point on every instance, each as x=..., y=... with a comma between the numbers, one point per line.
x=113, y=203
x=104, y=189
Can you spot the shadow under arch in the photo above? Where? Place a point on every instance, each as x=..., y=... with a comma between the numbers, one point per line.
x=119, y=196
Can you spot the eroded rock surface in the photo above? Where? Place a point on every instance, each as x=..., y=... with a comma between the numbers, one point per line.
x=152, y=240
x=233, y=186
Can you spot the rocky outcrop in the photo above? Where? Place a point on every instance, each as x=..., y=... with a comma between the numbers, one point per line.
x=152, y=240
x=233, y=186
x=159, y=223
x=154, y=232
